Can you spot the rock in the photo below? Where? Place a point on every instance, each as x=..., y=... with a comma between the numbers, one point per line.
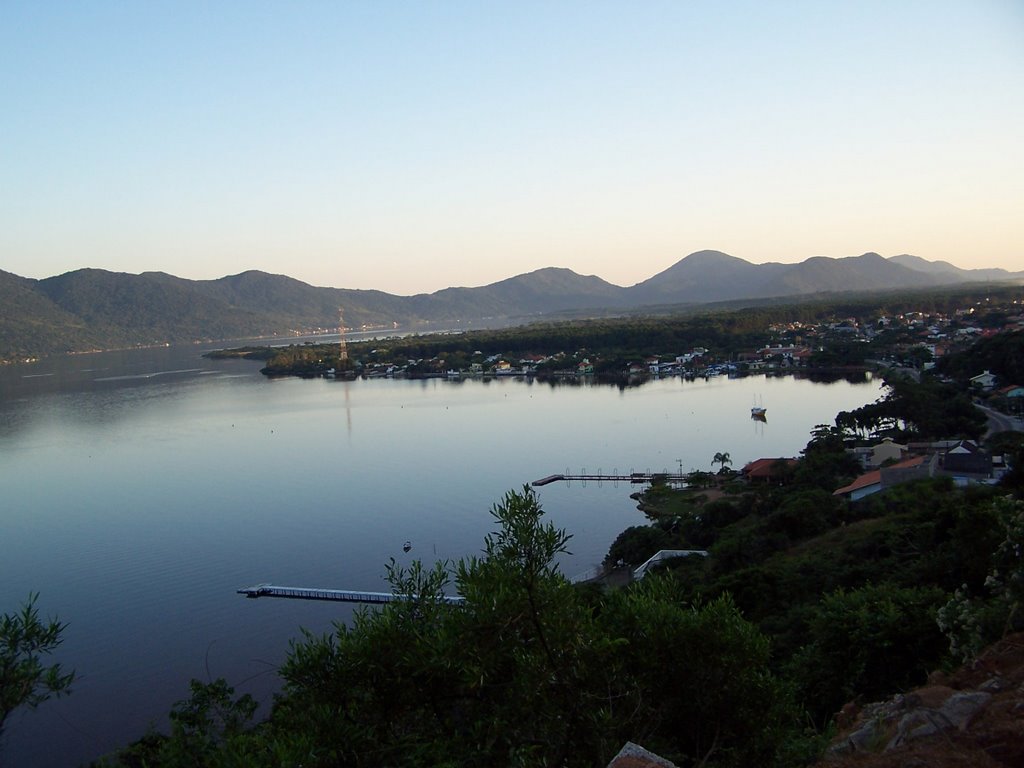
x=994, y=685
x=961, y=708
x=915, y=725
x=865, y=739
x=973, y=716
x=956, y=712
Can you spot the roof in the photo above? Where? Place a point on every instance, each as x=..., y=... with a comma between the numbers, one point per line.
x=634, y=756
x=875, y=477
x=763, y=467
x=864, y=481
x=964, y=447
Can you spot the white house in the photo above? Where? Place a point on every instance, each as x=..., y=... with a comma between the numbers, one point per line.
x=984, y=380
x=887, y=450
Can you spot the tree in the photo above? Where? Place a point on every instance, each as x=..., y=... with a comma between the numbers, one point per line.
x=24, y=679
x=637, y=543
x=928, y=408
x=528, y=671
x=867, y=642
x=698, y=479
x=721, y=458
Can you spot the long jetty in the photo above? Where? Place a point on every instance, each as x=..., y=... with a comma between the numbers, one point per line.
x=632, y=477
x=338, y=595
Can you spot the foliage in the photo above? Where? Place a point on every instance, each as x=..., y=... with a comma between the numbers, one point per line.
x=209, y=728
x=929, y=409
x=1002, y=354
x=527, y=671
x=867, y=642
x=245, y=353
x=1011, y=446
x=803, y=514
x=205, y=720
x=825, y=464
x=849, y=593
x=305, y=360
x=637, y=544
x=694, y=681
x=1005, y=442
x=974, y=617
x=25, y=640
x=699, y=479
x=721, y=458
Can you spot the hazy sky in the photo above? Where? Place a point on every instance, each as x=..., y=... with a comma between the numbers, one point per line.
x=413, y=146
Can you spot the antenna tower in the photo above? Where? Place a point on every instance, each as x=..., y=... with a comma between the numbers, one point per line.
x=342, y=346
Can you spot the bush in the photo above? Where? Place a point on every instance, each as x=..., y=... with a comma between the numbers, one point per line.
x=637, y=544
x=867, y=642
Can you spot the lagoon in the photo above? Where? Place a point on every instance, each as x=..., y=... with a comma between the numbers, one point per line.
x=142, y=488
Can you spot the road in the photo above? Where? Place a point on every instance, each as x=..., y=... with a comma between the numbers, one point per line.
x=1000, y=422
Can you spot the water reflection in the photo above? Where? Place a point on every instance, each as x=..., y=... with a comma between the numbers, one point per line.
x=137, y=504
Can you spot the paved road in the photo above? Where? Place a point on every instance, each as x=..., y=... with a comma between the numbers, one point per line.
x=1000, y=422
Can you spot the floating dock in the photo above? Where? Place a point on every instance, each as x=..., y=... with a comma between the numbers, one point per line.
x=632, y=477
x=337, y=595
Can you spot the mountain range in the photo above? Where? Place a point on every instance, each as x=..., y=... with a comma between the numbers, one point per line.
x=96, y=309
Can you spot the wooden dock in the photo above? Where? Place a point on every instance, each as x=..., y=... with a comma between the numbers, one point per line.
x=633, y=477
x=338, y=595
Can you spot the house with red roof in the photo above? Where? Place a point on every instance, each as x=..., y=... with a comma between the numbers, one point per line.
x=767, y=470
x=916, y=468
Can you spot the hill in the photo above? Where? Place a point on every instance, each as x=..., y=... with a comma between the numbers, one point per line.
x=92, y=308
x=31, y=324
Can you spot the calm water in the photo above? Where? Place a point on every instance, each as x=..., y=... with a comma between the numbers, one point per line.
x=141, y=489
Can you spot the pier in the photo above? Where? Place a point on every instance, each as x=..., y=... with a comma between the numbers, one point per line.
x=633, y=477
x=338, y=595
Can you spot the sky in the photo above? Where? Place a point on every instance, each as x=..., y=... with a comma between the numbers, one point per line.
x=412, y=146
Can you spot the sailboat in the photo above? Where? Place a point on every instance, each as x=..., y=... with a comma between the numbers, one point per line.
x=758, y=411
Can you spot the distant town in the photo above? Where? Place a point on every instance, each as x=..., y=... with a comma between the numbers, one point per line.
x=912, y=342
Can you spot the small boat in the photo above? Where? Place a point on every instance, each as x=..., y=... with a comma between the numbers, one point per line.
x=758, y=411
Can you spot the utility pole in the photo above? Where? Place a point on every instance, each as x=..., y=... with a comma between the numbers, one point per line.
x=342, y=345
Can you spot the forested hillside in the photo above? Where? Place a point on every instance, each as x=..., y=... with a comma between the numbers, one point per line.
x=92, y=308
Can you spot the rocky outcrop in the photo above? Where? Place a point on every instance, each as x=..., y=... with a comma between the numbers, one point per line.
x=972, y=717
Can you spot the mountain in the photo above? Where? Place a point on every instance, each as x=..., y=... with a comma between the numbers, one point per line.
x=140, y=309
x=533, y=293
x=708, y=276
x=869, y=272
x=947, y=270
x=32, y=325
x=701, y=277
x=93, y=308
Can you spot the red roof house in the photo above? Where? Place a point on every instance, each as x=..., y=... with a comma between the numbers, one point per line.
x=765, y=470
